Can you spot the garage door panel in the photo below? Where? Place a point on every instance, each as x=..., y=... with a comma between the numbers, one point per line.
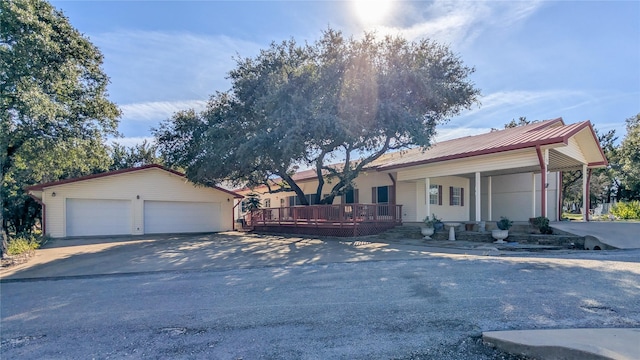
x=91, y=217
x=180, y=217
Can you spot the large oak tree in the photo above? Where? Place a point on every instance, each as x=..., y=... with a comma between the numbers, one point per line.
x=335, y=105
x=53, y=98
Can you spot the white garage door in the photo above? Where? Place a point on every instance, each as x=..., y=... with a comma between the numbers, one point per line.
x=89, y=217
x=180, y=217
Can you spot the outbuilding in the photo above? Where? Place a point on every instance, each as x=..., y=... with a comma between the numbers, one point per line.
x=150, y=199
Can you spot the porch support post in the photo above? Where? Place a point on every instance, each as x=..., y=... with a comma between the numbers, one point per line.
x=478, y=192
x=586, y=174
x=543, y=158
x=489, y=200
x=558, y=196
x=427, y=202
x=533, y=194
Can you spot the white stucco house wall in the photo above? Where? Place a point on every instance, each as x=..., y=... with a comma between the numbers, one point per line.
x=145, y=200
x=514, y=172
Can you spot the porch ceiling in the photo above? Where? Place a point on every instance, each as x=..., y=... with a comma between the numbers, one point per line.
x=561, y=162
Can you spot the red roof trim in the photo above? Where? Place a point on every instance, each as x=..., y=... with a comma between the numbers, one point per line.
x=41, y=187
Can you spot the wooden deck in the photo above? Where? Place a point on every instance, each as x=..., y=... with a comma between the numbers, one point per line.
x=327, y=220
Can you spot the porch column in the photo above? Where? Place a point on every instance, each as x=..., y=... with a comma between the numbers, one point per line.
x=489, y=200
x=585, y=192
x=558, y=195
x=533, y=194
x=427, y=186
x=543, y=159
x=544, y=183
x=478, y=192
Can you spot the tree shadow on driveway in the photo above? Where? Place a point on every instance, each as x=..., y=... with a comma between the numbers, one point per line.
x=230, y=250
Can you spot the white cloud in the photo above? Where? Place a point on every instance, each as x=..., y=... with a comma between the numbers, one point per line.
x=158, y=110
x=459, y=22
x=130, y=141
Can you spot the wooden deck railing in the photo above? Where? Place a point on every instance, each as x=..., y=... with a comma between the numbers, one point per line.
x=326, y=215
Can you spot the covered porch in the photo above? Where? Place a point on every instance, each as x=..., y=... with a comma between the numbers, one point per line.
x=519, y=182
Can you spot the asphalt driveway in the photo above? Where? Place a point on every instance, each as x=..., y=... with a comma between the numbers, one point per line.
x=231, y=250
x=231, y=296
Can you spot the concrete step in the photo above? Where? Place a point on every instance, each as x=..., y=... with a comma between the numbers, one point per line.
x=561, y=240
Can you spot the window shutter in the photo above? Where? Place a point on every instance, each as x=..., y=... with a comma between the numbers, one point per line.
x=356, y=197
x=439, y=194
x=392, y=195
x=450, y=195
x=461, y=196
x=374, y=195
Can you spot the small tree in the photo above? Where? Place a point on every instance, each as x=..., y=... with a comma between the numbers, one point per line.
x=252, y=202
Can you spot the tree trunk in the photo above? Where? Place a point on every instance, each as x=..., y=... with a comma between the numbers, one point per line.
x=295, y=188
x=4, y=238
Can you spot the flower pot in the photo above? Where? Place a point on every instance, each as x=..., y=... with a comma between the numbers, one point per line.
x=499, y=235
x=427, y=232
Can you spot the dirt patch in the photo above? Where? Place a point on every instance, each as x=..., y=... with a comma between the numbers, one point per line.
x=13, y=260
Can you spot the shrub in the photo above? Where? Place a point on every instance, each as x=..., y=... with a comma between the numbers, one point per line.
x=542, y=224
x=626, y=210
x=504, y=223
x=22, y=244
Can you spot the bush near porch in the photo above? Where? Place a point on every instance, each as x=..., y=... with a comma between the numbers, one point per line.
x=626, y=210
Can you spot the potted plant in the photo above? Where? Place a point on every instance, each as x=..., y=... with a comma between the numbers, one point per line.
x=502, y=232
x=430, y=226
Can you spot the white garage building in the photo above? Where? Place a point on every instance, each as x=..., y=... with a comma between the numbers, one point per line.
x=144, y=200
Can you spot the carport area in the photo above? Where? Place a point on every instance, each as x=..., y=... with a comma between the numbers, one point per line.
x=604, y=234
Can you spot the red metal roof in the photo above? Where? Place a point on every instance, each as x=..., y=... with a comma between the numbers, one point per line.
x=537, y=134
x=41, y=187
x=541, y=133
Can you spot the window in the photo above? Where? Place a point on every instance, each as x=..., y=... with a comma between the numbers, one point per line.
x=350, y=197
x=294, y=201
x=435, y=194
x=456, y=196
x=380, y=194
x=383, y=195
x=267, y=203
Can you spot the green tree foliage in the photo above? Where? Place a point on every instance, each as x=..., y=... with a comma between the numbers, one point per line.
x=52, y=94
x=338, y=99
x=123, y=157
x=629, y=157
x=40, y=161
x=522, y=120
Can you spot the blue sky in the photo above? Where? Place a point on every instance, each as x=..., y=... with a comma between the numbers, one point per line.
x=579, y=60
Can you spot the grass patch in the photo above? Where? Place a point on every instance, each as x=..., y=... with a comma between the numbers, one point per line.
x=571, y=216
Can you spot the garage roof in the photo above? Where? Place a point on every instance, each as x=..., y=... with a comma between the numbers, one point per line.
x=43, y=186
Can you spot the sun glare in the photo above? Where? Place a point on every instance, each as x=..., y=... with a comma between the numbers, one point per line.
x=372, y=12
